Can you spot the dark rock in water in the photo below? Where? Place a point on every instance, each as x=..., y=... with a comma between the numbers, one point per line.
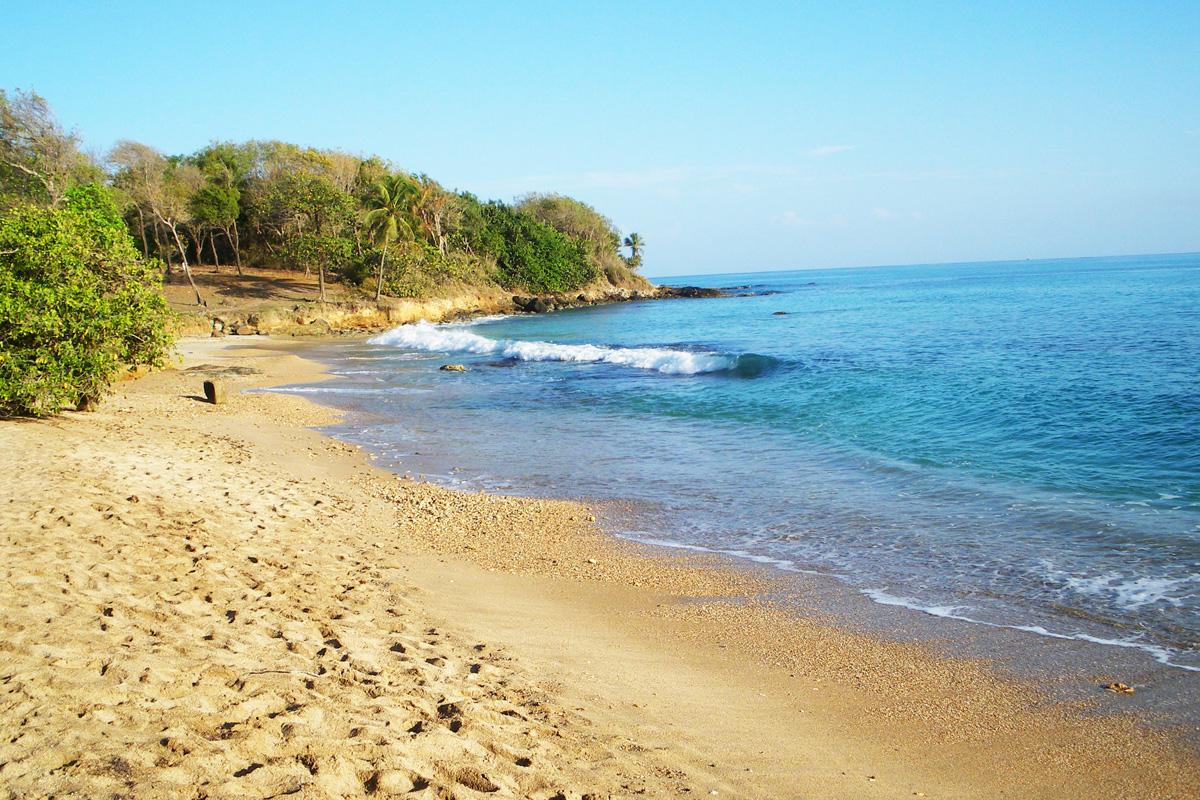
x=531, y=305
x=689, y=291
x=779, y=314
x=735, y=288
x=452, y=368
x=214, y=392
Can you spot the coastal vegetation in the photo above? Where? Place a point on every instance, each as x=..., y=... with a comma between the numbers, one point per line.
x=77, y=303
x=88, y=241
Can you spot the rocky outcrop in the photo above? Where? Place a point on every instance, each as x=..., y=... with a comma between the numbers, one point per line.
x=361, y=316
x=688, y=291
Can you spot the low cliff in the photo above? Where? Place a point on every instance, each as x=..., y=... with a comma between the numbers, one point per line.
x=292, y=309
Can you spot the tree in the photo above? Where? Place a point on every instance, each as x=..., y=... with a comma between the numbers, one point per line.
x=584, y=223
x=636, y=244
x=386, y=218
x=164, y=187
x=430, y=206
x=39, y=161
x=531, y=254
x=77, y=302
x=322, y=212
x=215, y=205
x=326, y=253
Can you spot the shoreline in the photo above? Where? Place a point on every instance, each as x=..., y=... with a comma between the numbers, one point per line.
x=649, y=671
x=1039, y=646
x=237, y=309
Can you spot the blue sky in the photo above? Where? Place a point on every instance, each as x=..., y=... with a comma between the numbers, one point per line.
x=734, y=138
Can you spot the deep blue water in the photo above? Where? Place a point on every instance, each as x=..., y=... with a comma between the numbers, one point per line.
x=1013, y=443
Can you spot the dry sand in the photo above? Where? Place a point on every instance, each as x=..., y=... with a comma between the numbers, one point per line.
x=215, y=602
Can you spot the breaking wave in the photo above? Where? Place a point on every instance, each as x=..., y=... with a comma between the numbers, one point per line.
x=458, y=339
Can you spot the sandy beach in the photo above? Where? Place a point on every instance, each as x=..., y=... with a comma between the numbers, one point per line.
x=217, y=601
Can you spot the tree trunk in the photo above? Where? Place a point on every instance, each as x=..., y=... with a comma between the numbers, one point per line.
x=142, y=230
x=158, y=247
x=198, y=243
x=321, y=281
x=441, y=239
x=212, y=245
x=379, y=282
x=186, y=269
x=237, y=250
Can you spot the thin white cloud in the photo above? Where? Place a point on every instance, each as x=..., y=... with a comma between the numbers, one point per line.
x=829, y=150
x=636, y=179
x=793, y=219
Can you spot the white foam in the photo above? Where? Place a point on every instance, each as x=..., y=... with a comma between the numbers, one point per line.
x=457, y=339
x=785, y=564
x=1128, y=593
x=484, y=319
x=1162, y=655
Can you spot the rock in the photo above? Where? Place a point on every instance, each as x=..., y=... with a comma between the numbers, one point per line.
x=214, y=392
x=779, y=314
x=689, y=291
x=453, y=368
x=246, y=330
x=1120, y=688
x=531, y=305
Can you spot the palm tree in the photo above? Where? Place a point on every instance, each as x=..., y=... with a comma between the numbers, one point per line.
x=386, y=218
x=636, y=244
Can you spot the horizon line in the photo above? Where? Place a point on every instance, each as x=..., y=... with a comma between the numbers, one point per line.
x=928, y=264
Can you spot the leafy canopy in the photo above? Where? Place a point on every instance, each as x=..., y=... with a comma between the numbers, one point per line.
x=77, y=302
x=531, y=254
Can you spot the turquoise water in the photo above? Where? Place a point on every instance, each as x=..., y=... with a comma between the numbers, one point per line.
x=1016, y=444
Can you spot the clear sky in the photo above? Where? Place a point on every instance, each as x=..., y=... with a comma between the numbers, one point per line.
x=738, y=137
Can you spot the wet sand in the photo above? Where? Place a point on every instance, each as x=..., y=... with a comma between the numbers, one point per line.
x=216, y=601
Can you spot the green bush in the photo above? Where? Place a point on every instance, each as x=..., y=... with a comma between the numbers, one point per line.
x=418, y=269
x=77, y=301
x=358, y=268
x=530, y=254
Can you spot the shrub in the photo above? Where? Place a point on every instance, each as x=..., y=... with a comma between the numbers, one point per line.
x=77, y=301
x=532, y=255
x=418, y=269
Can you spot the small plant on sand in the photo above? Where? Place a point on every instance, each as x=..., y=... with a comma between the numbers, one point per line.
x=77, y=303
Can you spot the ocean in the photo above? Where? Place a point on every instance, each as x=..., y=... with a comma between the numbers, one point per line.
x=1013, y=444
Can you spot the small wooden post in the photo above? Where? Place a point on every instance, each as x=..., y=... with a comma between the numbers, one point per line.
x=214, y=392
